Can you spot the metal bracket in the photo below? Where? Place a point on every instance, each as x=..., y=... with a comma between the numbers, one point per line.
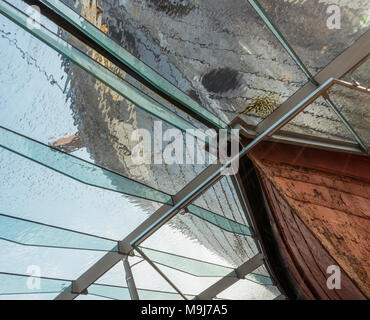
x=77, y=290
x=125, y=248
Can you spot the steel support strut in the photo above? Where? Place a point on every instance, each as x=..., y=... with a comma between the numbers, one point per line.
x=226, y=282
x=130, y=279
x=188, y=194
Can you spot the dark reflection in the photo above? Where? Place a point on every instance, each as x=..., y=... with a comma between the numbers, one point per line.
x=221, y=80
x=174, y=8
x=219, y=50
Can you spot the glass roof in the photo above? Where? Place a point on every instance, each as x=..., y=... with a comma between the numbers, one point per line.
x=355, y=108
x=69, y=190
x=231, y=43
x=320, y=121
x=319, y=30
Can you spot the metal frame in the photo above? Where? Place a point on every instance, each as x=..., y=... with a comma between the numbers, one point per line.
x=146, y=73
x=185, y=196
x=130, y=279
x=153, y=265
x=350, y=59
x=288, y=137
x=250, y=131
x=346, y=123
x=226, y=282
x=346, y=62
x=131, y=93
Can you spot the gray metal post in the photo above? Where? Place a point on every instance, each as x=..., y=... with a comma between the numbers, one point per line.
x=130, y=279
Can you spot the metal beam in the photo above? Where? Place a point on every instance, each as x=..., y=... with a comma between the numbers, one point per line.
x=110, y=259
x=186, y=196
x=130, y=279
x=226, y=282
x=287, y=137
x=152, y=264
x=207, y=180
x=262, y=13
x=339, y=67
x=308, y=140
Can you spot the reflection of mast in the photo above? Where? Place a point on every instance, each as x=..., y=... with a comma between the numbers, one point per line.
x=106, y=122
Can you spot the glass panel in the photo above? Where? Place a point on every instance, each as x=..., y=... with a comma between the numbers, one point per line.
x=61, y=33
x=223, y=200
x=92, y=297
x=46, y=262
x=100, y=72
x=30, y=296
x=79, y=115
x=76, y=168
x=119, y=293
x=355, y=107
x=228, y=238
x=86, y=172
x=202, y=268
x=195, y=267
x=187, y=283
x=116, y=276
x=259, y=279
x=261, y=270
x=147, y=278
x=33, y=192
x=360, y=76
x=122, y=293
x=194, y=238
x=248, y=290
x=35, y=234
x=109, y=284
x=319, y=30
x=22, y=284
x=319, y=120
x=220, y=53
x=146, y=72
x=220, y=221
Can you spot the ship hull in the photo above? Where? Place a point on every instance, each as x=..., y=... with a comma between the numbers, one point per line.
x=316, y=215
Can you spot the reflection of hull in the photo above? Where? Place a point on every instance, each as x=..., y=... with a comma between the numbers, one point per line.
x=319, y=203
x=106, y=128
x=106, y=122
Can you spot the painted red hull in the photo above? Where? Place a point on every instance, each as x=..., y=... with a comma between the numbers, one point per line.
x=319, y=203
